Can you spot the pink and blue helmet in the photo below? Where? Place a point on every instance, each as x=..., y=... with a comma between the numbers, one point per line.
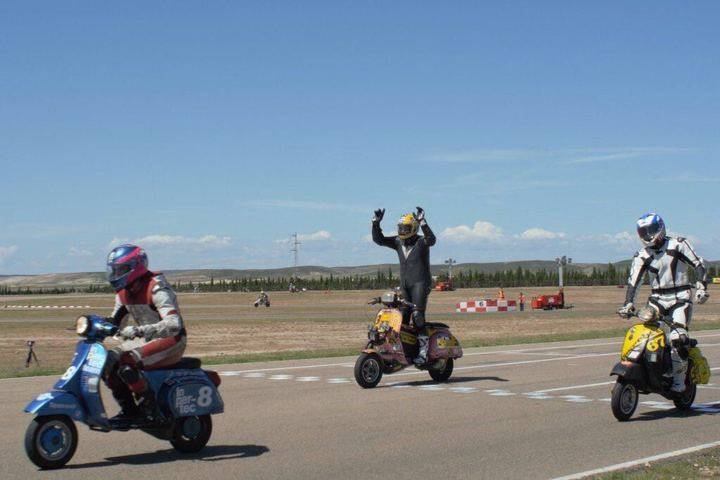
x=651, y=229
x=125, y=264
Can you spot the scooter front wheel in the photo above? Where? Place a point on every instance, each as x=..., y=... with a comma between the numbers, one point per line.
x=51, y=441
x=624, y=401
x=368, y=370
x=191, y=433
x=441, y=371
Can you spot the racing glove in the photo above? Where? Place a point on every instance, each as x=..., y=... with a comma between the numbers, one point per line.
x=627, y=311
x=701, y=294
x=379, y=214
x=130, y=332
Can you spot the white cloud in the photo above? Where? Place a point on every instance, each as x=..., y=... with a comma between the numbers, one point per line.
x=625, y=154
x=620, y=241
x=540, y=234
x=161, y=240
x=7, y=252
x=80, y=252
x=175, y=240
x=484, y=155
x=319, y=236
x=304, y=205
x=565, y=156
x=480, y=231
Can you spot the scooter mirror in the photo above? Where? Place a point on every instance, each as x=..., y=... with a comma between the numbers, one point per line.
x=647, y=314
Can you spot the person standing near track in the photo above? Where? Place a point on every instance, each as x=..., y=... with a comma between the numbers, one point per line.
x=666, y=259
x=414, y=254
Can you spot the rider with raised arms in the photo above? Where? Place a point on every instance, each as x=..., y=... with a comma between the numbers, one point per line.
x=414, y=254
x=666, y=260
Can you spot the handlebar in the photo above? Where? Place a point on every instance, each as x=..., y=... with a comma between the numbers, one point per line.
x=401, y=301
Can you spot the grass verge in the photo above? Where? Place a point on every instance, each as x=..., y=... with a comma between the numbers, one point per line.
x=350, y=351
x=697, y=465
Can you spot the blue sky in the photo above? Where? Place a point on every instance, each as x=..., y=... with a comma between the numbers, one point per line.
x=210, y=132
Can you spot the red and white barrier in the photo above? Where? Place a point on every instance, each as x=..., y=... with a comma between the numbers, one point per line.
x=486, y=306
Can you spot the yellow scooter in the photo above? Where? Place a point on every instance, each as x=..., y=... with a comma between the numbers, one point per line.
x=646, y=367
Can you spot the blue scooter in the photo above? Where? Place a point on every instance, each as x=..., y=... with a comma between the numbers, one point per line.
x=185, y=396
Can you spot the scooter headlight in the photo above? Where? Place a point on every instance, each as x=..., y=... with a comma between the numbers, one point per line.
x=82, y=325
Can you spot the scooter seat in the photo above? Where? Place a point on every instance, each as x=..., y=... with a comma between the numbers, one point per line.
x=185, y=363
x=435, y=325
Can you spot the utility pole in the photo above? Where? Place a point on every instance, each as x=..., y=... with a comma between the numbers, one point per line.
x=450, y=262
x=295, y=250
x=562, y=262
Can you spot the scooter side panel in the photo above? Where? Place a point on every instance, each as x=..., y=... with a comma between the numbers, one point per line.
x=444, y=345
x=56, y=403
x=90, y=377
x=70, y=380
x=185, y=393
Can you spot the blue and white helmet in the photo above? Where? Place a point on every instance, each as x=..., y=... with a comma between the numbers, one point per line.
x=651, y=229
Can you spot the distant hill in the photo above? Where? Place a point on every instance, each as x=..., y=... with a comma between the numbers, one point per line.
x=204, y=275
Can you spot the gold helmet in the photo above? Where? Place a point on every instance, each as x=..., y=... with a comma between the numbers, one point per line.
x=407, y=226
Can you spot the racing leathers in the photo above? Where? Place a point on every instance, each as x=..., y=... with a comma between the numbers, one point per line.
x=160, y=336
x=667, y=265
x=415, y=278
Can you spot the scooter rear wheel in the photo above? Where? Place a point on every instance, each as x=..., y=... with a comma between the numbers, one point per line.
x=191, y=433
x=624, y=401
x=368, y=370
x=686, y=398
x=51, y=441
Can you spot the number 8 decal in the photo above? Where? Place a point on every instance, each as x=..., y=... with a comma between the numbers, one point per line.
x=204, y=397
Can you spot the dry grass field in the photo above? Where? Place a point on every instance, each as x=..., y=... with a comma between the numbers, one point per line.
x=226, y=326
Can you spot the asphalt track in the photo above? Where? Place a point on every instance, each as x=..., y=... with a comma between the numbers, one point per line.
x=525, y=411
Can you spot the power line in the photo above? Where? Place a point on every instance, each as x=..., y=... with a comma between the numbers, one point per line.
x=295, y=249
x=450, y=262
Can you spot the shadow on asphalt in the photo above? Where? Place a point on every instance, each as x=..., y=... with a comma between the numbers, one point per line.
x=449, y=382
x=211, y=453
x=674, y=413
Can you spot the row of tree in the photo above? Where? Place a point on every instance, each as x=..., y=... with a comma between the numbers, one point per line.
x=382, y=279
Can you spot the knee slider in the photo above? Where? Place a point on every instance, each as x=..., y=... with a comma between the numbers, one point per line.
x=418, y=318
x=680, y=341
x=128, y=374
x=679, y=336
x=111, y=364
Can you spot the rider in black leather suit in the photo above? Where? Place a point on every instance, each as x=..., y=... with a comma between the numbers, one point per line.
x=414, y=254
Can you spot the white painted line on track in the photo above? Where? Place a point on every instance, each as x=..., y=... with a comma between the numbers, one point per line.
x=307, y=379
x=500, y=393
x=576, y=398
x=280, y=377
x=538, y=396
x=541, y=360
x=520, y=362
x=338, y=380
x=576, y=345
x=660, y=405
x=431, y=387
x=639, y=461
x=297, y=367
x=253, y=375
x=463, y=389
x=574, y=387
